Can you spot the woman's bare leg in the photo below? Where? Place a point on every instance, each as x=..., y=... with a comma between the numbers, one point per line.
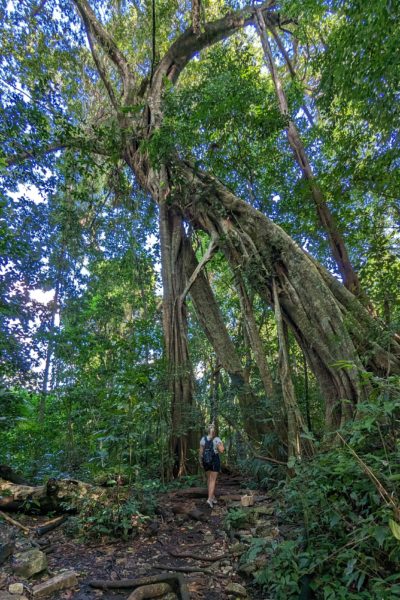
x=208, y=473
x=211, y=484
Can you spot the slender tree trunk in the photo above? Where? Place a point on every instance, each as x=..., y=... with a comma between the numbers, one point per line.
x=336, y=242
x=306, y=393
x=295, y=422
x=272, y=392
x=175, y=336
x=50, y=349
x=290, y=67
x=254, y=337
x=211, y=320
x=214, y=392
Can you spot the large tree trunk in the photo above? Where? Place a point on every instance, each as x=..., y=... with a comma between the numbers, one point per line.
x=329, y=323
x=180, y=376
x=253, y=411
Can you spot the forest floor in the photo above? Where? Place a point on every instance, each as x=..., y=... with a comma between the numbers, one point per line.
x=186, y=535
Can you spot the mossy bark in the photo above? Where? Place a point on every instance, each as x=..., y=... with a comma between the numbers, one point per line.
x=330, y=324
x=179, y=367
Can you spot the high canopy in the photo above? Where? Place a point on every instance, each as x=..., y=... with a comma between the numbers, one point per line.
x=125, y=92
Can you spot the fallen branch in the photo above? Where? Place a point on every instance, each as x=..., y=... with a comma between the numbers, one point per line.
x=103, y=584
x=196, y=556
x=176, y=578
x=202, y=545
x=195, y=492
x=154, y=590
x=13, y=522
x=188, y=570
x=269, y=459
x=50, y=525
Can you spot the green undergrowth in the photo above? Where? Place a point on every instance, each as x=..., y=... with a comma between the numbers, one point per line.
x=116, y=512
x=339, y=515
x=119, y=511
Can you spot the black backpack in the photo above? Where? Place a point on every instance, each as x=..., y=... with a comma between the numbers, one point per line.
x=208, y=453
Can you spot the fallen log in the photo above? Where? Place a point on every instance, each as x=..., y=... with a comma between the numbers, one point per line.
x=61, y=495
x=201, y=557
x=194, y=492
x=174, y=578
x=186, y=569
x=50, y=525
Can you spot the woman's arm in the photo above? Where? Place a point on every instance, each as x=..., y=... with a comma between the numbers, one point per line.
x=220, y=448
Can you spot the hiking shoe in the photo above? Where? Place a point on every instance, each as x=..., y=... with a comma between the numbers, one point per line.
x=210, y=504
x=214, y=500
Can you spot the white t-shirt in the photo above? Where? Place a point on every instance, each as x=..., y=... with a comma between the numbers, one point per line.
x=216, y=442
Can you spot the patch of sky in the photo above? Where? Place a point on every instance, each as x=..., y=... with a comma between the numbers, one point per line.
x=31, y=192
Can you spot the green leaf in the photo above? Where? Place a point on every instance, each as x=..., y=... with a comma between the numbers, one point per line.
x=380, y=534
x=395, y=529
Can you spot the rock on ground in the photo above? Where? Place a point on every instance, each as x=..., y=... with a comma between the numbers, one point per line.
x=26, y=564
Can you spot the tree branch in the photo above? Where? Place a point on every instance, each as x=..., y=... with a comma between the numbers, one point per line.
x=153, y=38
x=207, y=256
x=107, y=43
x=196, y=16
x=77, y=144
x=36, y=10
x=269, y=459
x=101, y=70
x=289, y=64
x=189, y=43
x=11, y=161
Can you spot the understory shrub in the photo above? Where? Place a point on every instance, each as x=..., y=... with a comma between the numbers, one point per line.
x=117, y=511
x=346, y=502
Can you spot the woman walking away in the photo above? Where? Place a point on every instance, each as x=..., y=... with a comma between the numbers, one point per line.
x=211, y=447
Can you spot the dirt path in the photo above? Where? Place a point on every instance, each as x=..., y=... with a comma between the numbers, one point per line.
x=186, y=535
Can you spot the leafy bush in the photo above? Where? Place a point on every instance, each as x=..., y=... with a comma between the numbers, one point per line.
x=347, y=501
x=117, y=511
x=237, y=518
x=111, y=515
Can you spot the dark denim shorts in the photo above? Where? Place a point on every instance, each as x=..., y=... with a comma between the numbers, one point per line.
x=215, y=465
